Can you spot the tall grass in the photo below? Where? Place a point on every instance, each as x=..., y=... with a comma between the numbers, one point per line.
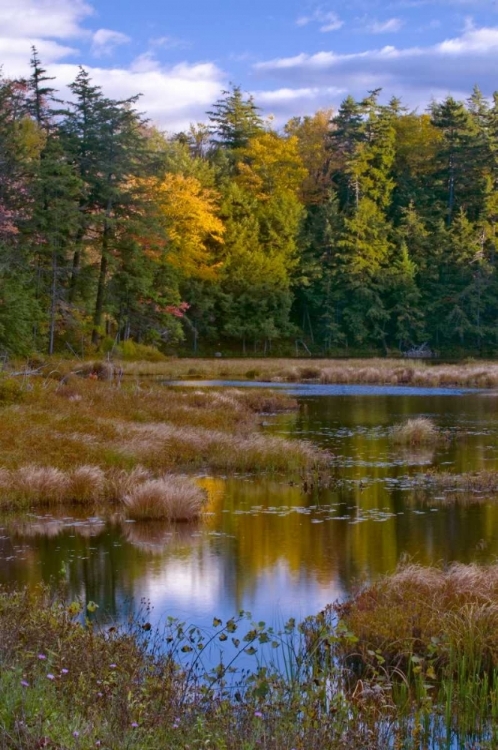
x=142, y=497
x=90, y=441
x=444, y=487
x=65, y=682
x=419, y=431
x=171, y=498
x=327, y=371
x=431, y=612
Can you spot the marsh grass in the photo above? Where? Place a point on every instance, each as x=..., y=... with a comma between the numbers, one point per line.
x=327, y=371
x=170, y=498
x=419, y=431
x=435, y=614
x=94, y=442
x=66, y=682
x=446, y=488
x=428, y=639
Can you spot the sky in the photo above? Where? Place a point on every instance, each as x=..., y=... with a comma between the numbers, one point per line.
x=293, y=56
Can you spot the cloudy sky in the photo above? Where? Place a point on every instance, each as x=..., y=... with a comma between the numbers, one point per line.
x=295, y=56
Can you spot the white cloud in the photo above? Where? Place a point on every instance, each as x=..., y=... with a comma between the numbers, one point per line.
x=104, y=41
x=172, y=96
x=415, y=73
x=385, y=27
x=53, y=19
x=285, y=103
x=328, y=20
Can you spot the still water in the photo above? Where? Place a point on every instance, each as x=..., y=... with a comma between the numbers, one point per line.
x=279, y=548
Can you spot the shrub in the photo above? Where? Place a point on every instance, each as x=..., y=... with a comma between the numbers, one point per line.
x=11, y=391
x=131, y=351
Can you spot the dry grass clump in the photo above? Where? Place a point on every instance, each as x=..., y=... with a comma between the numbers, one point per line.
x=171, y=498
x=39, y=484
x=470, y=486
x=120, y=482
x=160, y=444
x=418, y=431
x=96, y=370
x=86, y=484
x=328, y=371
x=428, y=612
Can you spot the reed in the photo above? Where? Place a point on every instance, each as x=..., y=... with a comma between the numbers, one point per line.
x=415, y=432
x=434, y=614
x=94, y=441
x=328, y=371
x=170, y=498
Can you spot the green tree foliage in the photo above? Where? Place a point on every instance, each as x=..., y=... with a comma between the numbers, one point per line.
x=373, y=228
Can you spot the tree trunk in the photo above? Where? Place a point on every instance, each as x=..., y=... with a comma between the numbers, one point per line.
x=99, y=302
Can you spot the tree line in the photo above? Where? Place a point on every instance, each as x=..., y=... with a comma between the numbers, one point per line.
x=369, y=229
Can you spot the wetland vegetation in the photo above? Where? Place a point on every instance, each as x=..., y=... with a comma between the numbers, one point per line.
x=310, y=497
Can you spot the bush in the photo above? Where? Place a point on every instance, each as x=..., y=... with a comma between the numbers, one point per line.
x=131, y=351
x=11, y=391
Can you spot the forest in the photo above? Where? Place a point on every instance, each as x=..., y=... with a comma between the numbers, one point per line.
x=366, y=230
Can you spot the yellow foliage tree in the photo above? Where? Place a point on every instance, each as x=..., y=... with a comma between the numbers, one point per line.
x=187, y=214
x=312, y=133
x=271, y=164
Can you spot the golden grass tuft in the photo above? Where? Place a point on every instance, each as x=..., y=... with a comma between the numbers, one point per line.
x=86, y=484
x=39, y=484
x=418, y=431
x=120, y=482
x=426, y=611
x=158, y=444
x=171, y=498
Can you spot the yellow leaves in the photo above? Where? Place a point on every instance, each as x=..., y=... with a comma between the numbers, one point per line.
x=271, y=164
x=187, y=212
x=313, y=133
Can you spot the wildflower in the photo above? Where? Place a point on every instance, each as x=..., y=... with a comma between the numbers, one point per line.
x=76, y=733
x=134, y=724
x=64, y=670
x=42, y=656
x=24, y=683
x=112, y=666
x=50, y=676
x=258, y=714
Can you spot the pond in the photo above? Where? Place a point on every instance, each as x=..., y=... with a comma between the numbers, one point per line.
x=279, y=548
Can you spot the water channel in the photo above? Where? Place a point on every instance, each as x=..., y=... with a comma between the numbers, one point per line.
x=279, y=548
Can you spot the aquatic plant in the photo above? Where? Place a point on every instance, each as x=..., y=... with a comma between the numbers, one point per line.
x=425, y=611
x=173, y=498
x=68, y=682
x=417, y=431
x=81, y=429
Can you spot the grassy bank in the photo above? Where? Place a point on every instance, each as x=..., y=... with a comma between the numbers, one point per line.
x=99, y=442
x=379, y=680
x=327, y=371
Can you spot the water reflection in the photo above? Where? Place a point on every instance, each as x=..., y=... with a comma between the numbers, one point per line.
x=278, y=548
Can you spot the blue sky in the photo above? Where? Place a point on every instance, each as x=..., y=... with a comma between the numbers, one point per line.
x=295, y=56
